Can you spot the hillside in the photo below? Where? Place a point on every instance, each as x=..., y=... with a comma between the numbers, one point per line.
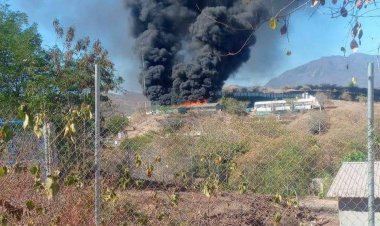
x=337, y=70
x=127, y=103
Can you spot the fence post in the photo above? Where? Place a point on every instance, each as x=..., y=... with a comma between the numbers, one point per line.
x=46, y=149
x=97, y=147
x=371, y=185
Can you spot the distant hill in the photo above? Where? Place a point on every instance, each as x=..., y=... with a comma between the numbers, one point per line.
x=337, y=70
x=127, y=103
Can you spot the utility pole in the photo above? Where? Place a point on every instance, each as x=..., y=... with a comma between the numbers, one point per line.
x=371, y=184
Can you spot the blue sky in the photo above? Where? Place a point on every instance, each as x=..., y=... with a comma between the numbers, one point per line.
x=311, y=36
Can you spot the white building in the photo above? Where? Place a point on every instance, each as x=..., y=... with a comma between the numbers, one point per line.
x=351, y=189
x=271, y=106
x=307, y=102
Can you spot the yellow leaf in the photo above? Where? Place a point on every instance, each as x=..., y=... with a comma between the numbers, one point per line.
x=38, y=131
x=206, y=191
x=51, y=186
x=26, y=121
x=273, y=23
x=72, y=128
x=67, y=130
x=138, y=160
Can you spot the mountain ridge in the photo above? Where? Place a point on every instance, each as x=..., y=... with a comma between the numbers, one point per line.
x=335, y=69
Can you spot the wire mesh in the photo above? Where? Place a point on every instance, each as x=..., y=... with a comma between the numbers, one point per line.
x=163, y=166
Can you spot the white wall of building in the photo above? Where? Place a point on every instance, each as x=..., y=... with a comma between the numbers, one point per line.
x=356, y=218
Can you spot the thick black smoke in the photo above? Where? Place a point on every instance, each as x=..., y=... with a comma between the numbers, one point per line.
x=169, y=31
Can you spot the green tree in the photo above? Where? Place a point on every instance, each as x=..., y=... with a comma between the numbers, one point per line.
x=353, y=83
x=21, y=56
x=54, y=85
x=67, y=81
x=233, y=106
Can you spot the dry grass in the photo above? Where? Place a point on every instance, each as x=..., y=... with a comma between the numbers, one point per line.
x=271, y=157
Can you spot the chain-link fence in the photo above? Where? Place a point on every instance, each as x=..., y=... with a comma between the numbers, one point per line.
x=202, y=166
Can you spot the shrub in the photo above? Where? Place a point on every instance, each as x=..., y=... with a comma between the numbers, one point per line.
x=346, y=96
x=322, y=98
x=233, y=106
x=361, y=98
x=318, y=122
x=356, y=156
x=173, y=124
x=137, y=144
x=218, y=161
x=284, y=173
x=116, y=123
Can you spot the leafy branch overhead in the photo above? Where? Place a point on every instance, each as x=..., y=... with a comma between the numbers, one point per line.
x=355, y=9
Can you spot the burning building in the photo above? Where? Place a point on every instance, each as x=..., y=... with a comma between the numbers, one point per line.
x=199, y=106
x=190, y=47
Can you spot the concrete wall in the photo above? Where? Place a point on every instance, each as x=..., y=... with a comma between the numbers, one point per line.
x=354, y=218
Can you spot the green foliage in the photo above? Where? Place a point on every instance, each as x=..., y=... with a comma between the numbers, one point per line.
x=21, y=56
x=233, y=106
x=218, y=160
x=110, y=195
x=277, y=218
x=3, y=171
x=35, y=171
x=137, y=144
x=3, y=220
x=173, y=124
x=6, y=134
x=353, y=83
x=30, y=205
x=52, y=84
x=287, y=170
x=52, y=185
x=355, y=156
x=277, y=199
x=116, y=123
x=174, y=198
x=210, y=186
x=71, y=180
x=125, y=179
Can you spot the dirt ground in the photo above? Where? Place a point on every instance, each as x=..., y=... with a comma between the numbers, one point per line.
x=326, y=209
x=194, y=208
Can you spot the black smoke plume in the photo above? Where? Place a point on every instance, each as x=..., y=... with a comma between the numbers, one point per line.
x=205, y=31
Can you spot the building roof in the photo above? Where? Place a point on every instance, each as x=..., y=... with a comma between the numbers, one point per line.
x=351, y=180
x=271, y=102
x=305, y=100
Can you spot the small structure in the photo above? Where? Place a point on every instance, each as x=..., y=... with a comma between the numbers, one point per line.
x=266, y=107
x=307, y=102
x=351, y=189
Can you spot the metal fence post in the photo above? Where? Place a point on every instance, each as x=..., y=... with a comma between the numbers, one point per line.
x=46, y=150
x=371, y=185
x=97, y=147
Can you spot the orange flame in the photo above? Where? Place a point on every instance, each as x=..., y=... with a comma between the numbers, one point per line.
x=194, y=103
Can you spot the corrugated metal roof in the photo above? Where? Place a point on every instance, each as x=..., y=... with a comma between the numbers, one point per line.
x=351, y=181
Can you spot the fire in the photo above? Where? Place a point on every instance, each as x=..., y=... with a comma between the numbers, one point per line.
x=194, y=103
